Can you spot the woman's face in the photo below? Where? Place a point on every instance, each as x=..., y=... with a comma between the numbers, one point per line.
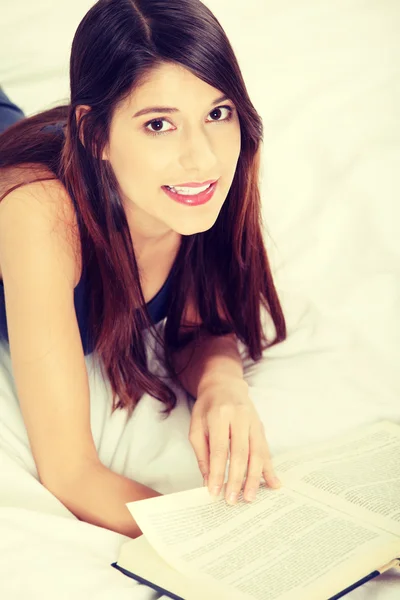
x=197, y=142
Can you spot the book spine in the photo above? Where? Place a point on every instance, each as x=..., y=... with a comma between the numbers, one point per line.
x=158, y=589
x=393, y=564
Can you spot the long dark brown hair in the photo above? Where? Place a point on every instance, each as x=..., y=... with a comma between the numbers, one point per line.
x=115, y=46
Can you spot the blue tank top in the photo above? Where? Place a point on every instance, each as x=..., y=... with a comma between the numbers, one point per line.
x=157, y=306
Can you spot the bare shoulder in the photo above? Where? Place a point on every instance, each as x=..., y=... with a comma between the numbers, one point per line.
x=45, y=203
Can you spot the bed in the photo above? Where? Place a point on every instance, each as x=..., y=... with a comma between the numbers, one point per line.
x=325, y=78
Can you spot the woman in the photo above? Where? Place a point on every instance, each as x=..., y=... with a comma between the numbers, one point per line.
x=103, y=233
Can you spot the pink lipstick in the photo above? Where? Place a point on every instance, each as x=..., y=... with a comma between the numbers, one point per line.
x=192, y=200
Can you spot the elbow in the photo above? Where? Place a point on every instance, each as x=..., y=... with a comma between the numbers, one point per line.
x=65, y=481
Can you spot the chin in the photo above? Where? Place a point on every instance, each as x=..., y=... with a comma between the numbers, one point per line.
x=190, y=227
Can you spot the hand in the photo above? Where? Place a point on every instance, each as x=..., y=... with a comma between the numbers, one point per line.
x=224, y=411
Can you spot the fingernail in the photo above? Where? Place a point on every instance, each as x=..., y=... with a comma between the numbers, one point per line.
x=276, y=482
x=251, y=495
x=215, y=490
x=232, y=498
x=205, y=483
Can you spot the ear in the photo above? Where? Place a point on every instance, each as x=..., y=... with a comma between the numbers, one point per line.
x=104, y=155
x=79, y=112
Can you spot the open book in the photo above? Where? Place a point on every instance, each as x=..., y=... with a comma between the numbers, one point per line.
x=334, y=521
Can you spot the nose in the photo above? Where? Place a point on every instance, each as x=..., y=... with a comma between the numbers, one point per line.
x=198, y=156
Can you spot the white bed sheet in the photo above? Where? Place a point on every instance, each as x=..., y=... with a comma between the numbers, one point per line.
x=63, y=557
x=325, y=77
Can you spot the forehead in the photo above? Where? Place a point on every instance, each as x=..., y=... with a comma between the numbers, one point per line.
x=172, y=85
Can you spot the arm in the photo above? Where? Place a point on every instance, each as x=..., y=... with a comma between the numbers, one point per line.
x=38, y=267
x=215, y=358
x=97, y=495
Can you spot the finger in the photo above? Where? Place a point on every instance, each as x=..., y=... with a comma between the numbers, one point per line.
x=268, y=470
x=198, y=438
x=199, y=442
x=255, y=468
x=218, y=433
x=239, y=457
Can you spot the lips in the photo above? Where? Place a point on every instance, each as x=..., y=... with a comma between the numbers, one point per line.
x=194, y=199
x=193, y=184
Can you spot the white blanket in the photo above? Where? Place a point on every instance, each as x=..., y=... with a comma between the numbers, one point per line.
x=47, y=553
x=325, y=78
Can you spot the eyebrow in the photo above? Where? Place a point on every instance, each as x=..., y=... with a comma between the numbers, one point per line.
x=168, y=109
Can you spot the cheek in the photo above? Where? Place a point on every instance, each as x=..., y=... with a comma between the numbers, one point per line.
x=232, y=152
x=134, y=164
x=230, y=144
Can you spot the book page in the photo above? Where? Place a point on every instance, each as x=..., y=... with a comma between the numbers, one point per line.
x=281, y=542
x=358, y=473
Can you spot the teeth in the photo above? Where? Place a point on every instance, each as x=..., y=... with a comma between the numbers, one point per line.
x=189, y=191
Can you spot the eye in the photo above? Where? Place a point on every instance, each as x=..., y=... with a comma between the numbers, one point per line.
x=218, y=111
x=156, y=122
x=215, y=111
